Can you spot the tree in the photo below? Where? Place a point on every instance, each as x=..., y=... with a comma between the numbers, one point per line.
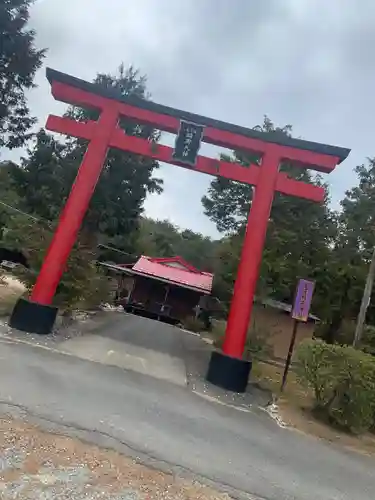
x=299, y=231
x=227, y=202
x=358, y=211
x=19, y=61
x=8, y=197
x=197, y=249
x=163, y=239
x=157, y=238
x=126, y=178
x=353, y=249
x=82, y=285
x=225, y=262
x=43, y=181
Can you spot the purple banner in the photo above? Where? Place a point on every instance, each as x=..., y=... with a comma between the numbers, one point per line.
x=302, y=301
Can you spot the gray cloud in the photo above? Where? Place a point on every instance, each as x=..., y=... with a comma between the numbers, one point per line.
x=309, y=63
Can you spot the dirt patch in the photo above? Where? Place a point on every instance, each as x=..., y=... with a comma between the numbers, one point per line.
x=13, y=284
x=35, y=464
x=10, y=290
x=303, y=420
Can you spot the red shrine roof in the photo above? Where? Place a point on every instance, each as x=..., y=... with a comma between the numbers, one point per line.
x=174, y=270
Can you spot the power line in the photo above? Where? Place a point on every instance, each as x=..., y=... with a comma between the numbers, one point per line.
x=23, y=213
x=36, y=219
x=108, y=247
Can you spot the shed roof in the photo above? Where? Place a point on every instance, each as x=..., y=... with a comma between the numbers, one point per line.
x=174, y=270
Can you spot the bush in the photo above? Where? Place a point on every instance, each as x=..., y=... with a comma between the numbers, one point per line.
x=346, y=335
x=368, y=340
x=82, y=284
x=315, y=368
x=193, y=324
x=343, y=382
x=257, y=345
x=258, y=342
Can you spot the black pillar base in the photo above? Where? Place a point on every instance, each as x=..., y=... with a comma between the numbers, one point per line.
x=32, y=317
x=228, y=373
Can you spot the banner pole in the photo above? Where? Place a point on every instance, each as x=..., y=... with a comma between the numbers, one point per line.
x=290, y=354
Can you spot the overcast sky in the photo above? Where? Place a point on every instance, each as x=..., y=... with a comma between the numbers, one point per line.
x=310, y=63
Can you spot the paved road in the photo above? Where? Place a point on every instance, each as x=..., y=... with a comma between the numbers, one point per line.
x=156, y=349
x=244, y=450
x=133, y=343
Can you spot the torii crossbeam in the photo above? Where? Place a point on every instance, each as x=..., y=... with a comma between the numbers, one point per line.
x=227, y=369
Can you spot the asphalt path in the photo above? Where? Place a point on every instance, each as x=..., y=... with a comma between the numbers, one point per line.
x=175, y=428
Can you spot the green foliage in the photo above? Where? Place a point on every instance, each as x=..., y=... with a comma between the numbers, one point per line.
x=225, y=261
x=258, y=342
x=82, y=284
x=358, y=216
x=41, y=184
x=299, y=231
x=342, y=280
x=346, y=335
x=227, y=202
x=354, y=404
x=343, y=382
x=44, y=179
x=304, y=239
x=356, y=233
x=316, y=368
x=126, y=178
x=8, y=197
x=163, y=239
x=19, y=61
x=368, y=340
x=193, y=324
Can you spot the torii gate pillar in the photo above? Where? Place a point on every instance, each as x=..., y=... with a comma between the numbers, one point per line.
x=227, y=369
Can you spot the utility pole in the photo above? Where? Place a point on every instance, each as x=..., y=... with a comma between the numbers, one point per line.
x=365, y=302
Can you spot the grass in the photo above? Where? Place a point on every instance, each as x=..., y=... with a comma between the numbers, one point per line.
x=295, y=405
x=269, y=376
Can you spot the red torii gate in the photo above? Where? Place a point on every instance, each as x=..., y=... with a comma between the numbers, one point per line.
x=227, y=368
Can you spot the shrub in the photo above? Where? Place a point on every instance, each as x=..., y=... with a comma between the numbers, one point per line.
x=258, y=342
x=218, y=331
x=343, y=382
x=346, y=335
x=316, y=369
x=257, y=345
x=354, y=404
x=82, y=282
x=368, y=340
x=193, y=324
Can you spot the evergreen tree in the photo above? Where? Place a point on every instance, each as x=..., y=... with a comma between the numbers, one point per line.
x=19, y=60
x=43, y=181
x=163, y=239
x=299, y=231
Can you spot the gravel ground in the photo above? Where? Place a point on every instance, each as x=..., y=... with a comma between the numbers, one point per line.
x=35, y=465
x=79, y=324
